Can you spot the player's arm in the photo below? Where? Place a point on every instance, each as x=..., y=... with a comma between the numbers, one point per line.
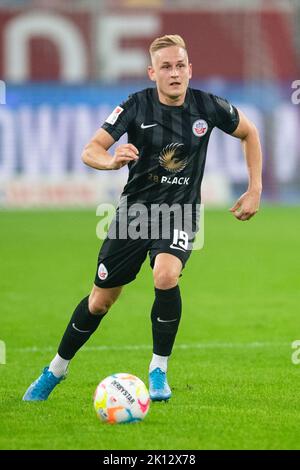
x=248, y=204
x=96, y=155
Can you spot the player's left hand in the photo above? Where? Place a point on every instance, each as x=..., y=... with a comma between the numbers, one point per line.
x=247, y=205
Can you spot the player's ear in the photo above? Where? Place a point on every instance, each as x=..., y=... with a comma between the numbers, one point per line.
x=151, y=73
x=190, y=69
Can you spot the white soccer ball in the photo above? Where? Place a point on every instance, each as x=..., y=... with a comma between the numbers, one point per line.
x=121, y=398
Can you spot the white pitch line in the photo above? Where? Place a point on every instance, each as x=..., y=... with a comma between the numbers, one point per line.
x=146, y=347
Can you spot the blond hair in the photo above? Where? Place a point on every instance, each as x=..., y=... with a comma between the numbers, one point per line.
x=166, y=41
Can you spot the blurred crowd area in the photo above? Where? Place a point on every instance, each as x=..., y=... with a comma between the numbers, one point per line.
x=195, y=4
x=228, y=39
x=64, y=65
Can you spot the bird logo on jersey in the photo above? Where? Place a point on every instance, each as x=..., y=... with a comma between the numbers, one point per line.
x=172, y=158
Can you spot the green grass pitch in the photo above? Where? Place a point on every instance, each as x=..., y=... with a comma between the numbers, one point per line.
x=234, y=384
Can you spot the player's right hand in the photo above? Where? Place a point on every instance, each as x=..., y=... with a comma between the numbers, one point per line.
x=124, y=154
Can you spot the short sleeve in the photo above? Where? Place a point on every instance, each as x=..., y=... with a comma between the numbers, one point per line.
x=226, y=115
x=118, y=122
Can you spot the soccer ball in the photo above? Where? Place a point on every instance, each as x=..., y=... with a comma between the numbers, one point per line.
x=121, y=398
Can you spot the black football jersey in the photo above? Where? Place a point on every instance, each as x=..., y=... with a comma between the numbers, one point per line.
x=172, y=143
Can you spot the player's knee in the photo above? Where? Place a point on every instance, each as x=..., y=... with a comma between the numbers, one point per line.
x=99, y=305
x=165, y=279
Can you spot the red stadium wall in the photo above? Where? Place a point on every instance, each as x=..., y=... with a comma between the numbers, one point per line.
x=231, y=45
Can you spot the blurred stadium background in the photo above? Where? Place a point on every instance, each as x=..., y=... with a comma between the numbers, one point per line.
x=65, y=64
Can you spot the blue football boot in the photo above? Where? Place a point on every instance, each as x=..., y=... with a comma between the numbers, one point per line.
x=159, y=389
x=41, y=388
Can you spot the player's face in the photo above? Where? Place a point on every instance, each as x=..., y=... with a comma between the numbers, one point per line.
x=171, y=71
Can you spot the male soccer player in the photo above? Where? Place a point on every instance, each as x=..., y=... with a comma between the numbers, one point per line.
x=168, y=130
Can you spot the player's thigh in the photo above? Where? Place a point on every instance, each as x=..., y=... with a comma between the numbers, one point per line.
x=166, y=270
x=101, y=299
x=120, y=261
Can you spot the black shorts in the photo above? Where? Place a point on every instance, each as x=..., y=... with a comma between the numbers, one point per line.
x=120, y=259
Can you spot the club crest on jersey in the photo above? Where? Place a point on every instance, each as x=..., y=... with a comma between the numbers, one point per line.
x=102, y=272
x=172, y=158
x=114, y=115
x=200, y=127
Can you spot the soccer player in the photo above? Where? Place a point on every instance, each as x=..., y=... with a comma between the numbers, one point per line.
x=168, y=129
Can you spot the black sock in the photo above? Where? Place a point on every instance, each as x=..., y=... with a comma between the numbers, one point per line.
x=165, y=316
x=81, y=326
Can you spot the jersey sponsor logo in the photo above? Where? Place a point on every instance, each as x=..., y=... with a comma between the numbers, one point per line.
x=144, y=126
x=168, y=179
x=175, y=180
x=172, y=158
x=200, y=127
x=112, y=118
x=102, y=272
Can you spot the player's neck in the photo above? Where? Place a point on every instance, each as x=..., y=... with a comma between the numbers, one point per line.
x=171, y=100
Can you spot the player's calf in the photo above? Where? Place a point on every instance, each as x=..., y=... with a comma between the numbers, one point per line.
x=82, y=325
